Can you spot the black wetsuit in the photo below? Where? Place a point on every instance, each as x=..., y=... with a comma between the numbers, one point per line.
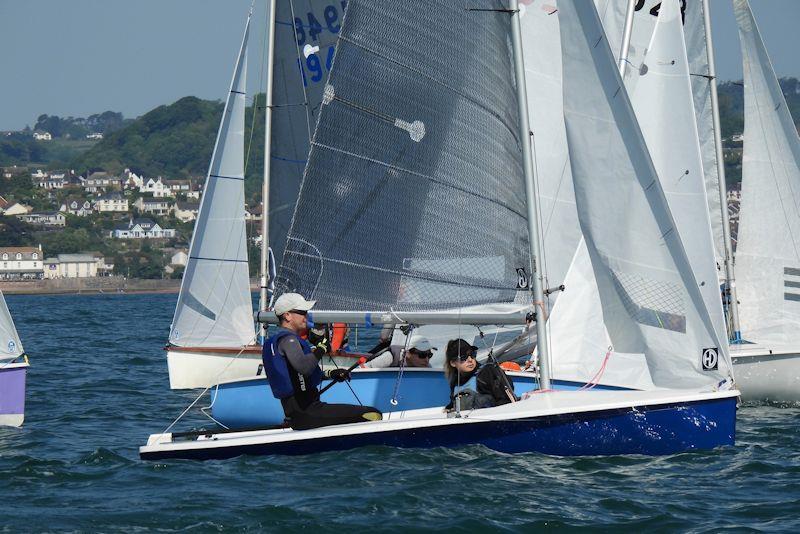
x=303, y=409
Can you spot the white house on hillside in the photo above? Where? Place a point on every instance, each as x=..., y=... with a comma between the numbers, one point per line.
x=17, y=209
x=77, y=206
x=42, y=136
x=141, y=229
x=156, y=206
x=185, y=211
x=44, y=218
x=111, y=202
x=156, y=187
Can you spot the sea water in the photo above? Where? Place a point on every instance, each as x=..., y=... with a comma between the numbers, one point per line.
x=98, y=387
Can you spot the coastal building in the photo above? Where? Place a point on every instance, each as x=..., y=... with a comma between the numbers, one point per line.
x=17, y=209
x=53, y=219
x=185, y=211
x=21, y=263
x=141, y=229
x=180, y=258
x=156, y=206
x=100, y=181
x=70, y=266
x=77, y=206
x=42, y=136
x=96, y=136
x=111, y=202
x=13, y=170
x=155, y=187
x=179, y=186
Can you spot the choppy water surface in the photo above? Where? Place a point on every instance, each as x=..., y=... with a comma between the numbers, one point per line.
x=98, y=386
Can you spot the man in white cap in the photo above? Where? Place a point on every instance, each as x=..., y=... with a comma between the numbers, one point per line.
x=419, y=354
x=294, y=374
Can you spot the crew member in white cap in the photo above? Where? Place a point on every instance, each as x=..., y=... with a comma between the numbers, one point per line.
x=418, y=354
x=294, y=374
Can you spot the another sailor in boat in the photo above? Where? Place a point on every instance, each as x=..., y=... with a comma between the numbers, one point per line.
x=418, y=354
x=292, y=367
x=472, y=385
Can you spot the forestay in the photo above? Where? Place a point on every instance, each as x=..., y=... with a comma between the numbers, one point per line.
x=650, y=298
x=664, y=109
x=413, y=197
x=214, y=307
x=10, y=345
x=305, y=37
x=768, y=250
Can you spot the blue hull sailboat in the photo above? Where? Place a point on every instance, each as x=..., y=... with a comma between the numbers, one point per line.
x=417, y=207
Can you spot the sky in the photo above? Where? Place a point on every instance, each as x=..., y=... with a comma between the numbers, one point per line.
x=81, y=57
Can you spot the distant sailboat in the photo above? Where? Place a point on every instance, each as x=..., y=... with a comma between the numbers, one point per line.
x=13, y=371
x=768, y=244
x=213, y=339
x=443, y=146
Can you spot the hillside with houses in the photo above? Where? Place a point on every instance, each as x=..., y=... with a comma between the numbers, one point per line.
x=122, y=195
x=61, y=224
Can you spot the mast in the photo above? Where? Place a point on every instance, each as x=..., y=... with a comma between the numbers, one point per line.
x=530, y=192
x=626, y=38
x=730, y=282
x=264, y=274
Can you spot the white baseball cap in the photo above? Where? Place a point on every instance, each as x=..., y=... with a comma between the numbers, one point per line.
x=292, y=301
x=420, y=343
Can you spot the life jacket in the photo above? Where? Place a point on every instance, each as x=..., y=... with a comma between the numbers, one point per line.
x=283, y=377
x=472, y=384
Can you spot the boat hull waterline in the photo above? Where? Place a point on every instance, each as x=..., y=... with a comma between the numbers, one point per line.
x=12, y=393
x=557, y=423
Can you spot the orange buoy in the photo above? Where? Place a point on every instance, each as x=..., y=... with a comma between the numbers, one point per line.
x=511, y=366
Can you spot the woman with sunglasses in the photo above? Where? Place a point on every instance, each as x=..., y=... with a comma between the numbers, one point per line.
x=474, y=386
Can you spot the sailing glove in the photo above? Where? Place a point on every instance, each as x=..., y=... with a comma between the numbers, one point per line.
x=321, y=349
x=338, y=375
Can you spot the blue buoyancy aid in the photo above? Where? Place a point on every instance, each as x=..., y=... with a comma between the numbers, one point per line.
x=472, y=384
x=279, y=371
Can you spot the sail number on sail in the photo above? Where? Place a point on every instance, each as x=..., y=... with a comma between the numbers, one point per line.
x=654, y=10
x=308, y=31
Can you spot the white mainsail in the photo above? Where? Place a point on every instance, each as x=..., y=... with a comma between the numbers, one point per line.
x=768, y=249
x=214, y=307
x=10, y=345
x=664, y=109
x=650, y=297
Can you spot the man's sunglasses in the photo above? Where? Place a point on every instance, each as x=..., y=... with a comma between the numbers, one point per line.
x=300, y=312
x=418, y=354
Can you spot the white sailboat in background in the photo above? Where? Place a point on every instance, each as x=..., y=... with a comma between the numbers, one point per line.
x=212, y=339
x=768, y=244
x=434, y=141
x=213, y=318
x=13, y=371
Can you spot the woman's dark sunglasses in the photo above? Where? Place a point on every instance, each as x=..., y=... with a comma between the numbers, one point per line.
x=466, y=356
